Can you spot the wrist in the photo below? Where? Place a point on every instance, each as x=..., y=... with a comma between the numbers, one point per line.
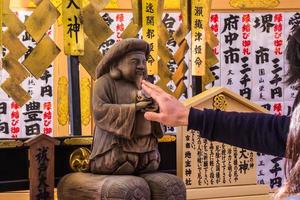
x=184, y=117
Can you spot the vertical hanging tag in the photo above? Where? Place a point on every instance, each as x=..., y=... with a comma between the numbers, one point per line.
x=199, y=23
x=150, y=33
x=73, y=28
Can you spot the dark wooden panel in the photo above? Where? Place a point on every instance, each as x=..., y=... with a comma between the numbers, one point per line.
x=14, y=163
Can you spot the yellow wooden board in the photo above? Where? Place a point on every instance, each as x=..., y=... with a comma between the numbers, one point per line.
x=15, y=91
x=150, y=33
x=12, y=22
x=15, y=69
x=73, y=28
x=91, y=58
x=94, y=26
x=200, y=10
x=179, y=73
x=38, y=23
x=99, y=5
x=41, y=57
x=13, y=44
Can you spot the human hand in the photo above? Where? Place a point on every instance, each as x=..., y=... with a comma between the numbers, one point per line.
x=171, y=110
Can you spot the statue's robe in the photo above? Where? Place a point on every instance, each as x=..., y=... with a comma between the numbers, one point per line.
x=119, y=128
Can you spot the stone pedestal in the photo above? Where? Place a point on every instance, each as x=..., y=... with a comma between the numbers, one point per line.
x=87, y=186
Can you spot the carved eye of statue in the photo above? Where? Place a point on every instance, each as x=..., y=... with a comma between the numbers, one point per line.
x=134, y=62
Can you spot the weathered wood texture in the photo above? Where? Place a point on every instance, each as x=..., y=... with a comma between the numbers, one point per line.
x=154, y=186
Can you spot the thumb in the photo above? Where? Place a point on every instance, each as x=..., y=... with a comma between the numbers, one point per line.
x=152, y=116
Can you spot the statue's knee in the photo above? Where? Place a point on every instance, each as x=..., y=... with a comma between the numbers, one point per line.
x=149, y=162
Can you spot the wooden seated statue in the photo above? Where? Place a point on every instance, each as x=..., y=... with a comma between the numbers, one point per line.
x=125, y=143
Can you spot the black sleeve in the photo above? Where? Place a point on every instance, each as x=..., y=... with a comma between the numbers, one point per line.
x=259, y=132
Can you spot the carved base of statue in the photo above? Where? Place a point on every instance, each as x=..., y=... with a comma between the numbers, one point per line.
x=88, y=186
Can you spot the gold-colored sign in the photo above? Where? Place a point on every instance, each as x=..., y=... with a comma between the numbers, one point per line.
x=135, y=25
x=94, y=26
x=5, y=6
x=150, y=33
x=40, y=59
x=181, y=51
x=91, y=57
x=15, y=91
x=41, y=20
x=73, y=28
x=164, y=73
x=246, y=4
x=136, y=11
x=131, y=31
x=211, y=58
x=99, y=5
x=211, y=39
x=179, y=89
x=13, y=44
x=12, y=21
x=207, y=78
x=179, y=73
x=199, y=23
x=164, y=53
x=15, y=69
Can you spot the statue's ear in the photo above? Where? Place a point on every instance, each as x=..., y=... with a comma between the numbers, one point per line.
x=115, y=73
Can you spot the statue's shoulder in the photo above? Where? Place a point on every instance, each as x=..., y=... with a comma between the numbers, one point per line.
x=104, y=80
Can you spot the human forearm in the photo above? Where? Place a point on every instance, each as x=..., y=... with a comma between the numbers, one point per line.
x=254, y=131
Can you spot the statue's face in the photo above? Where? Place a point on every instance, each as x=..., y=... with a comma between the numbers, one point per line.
x=133, y=67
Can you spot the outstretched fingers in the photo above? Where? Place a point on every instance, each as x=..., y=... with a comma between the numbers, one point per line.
x=152, y=86
x=152, y=91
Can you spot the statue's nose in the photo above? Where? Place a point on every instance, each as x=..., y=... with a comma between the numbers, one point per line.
x=141, y=69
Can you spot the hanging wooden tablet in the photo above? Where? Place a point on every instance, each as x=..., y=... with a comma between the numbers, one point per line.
x=11, y=20
x=38, y=23
x=13, y=44
x=199, y=23
x=15, y=91
x=41, y=57
x=150, y=33
x=15, y=69
x=94, y=26
x=91, y=57
x=73, y=27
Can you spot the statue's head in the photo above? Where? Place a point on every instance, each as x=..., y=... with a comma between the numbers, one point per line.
x=126, y=60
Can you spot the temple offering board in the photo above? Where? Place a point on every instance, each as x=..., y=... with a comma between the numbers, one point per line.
x=212, y=169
